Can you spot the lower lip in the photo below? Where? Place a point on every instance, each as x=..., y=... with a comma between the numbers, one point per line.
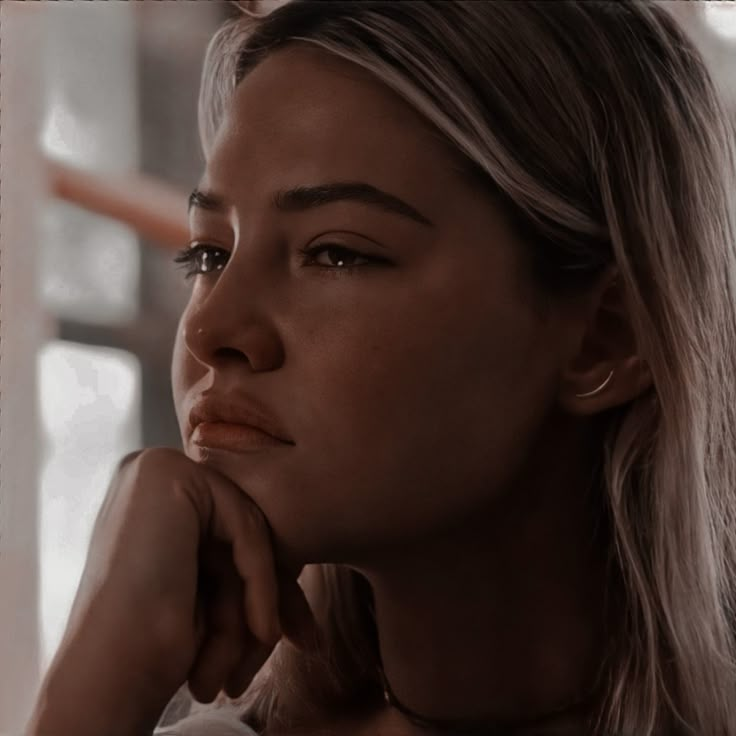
x=233, y=437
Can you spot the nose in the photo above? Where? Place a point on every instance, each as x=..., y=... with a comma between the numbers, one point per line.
x=232, y=323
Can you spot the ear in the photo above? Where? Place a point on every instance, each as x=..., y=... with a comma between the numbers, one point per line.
x=604, y=342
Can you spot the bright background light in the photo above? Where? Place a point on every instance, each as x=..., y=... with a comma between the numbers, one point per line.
x=721, y=17
x=89, y=401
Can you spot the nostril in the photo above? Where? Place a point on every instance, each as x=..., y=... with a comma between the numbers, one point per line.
x=229, y=353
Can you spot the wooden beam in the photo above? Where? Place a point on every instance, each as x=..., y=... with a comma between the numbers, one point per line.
x=157, y=211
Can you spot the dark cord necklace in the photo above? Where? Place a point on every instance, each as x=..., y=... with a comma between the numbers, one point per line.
x=498, y=727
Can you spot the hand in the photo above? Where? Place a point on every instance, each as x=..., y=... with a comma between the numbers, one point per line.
x=180, y=585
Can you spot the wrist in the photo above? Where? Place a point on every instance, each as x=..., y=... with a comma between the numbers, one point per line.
x=90, y=691
x=69, y=711
x=69, y=707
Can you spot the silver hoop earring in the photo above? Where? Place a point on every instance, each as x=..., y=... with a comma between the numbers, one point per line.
x=597, y=390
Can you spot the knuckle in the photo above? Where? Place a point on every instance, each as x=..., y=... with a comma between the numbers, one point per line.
x=251, y=533
x=151, y=471
x=255, y=555
x=255, y=520
x=150, y=462
x=157, y=457
x=128, y=459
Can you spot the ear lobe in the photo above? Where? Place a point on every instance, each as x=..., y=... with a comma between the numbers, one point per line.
x=606, y=371
x=606, y=385
x=598, y=390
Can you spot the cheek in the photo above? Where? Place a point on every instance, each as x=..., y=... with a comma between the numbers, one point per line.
x=182, y=375
x=421, y=423
x=435, y=373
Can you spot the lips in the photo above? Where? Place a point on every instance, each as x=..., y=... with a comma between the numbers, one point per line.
x=234, y=421
x=232, y=437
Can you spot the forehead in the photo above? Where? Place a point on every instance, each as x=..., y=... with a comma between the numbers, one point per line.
x=303, y=116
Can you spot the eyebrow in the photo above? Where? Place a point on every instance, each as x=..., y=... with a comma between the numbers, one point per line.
x=304, y=198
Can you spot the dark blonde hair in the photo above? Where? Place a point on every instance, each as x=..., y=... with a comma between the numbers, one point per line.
x=597, y=126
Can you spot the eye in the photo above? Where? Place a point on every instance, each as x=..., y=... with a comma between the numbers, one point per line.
x=201, y=259
x=337, y=257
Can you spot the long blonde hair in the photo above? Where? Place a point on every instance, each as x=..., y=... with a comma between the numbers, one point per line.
x=598, y=128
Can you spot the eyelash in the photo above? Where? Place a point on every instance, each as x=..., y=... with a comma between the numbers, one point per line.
x=188, y=258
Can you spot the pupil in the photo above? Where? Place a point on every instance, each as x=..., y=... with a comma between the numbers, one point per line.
x=340, y=260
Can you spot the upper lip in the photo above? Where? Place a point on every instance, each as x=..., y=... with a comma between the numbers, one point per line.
x=214, y=407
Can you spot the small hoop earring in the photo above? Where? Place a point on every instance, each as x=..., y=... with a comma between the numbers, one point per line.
x=597, y=390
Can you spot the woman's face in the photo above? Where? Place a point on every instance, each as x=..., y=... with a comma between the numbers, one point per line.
x=412, y=372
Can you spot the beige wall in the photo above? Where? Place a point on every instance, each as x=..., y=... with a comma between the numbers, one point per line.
x=22, y=328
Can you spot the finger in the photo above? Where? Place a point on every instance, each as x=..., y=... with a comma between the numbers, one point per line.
x=214, y=660
x=225, y=630
x=236, y=519
x=253, y=658
x=261, y=597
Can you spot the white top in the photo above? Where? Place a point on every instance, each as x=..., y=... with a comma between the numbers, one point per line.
x=220, y=722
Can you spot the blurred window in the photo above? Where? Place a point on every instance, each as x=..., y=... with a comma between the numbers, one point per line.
x=89, y=266
x=721, y=17
x=89, y=304
x=90, y=412
x=88, y=396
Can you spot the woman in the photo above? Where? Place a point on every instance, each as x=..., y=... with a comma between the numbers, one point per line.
x=469, y=269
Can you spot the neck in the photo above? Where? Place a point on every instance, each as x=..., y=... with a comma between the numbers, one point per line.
x=502, y=620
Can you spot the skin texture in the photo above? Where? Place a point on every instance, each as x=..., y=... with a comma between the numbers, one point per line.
x=179, y=586
x=439, y=447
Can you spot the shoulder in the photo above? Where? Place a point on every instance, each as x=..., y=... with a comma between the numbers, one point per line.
x=220, y=722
